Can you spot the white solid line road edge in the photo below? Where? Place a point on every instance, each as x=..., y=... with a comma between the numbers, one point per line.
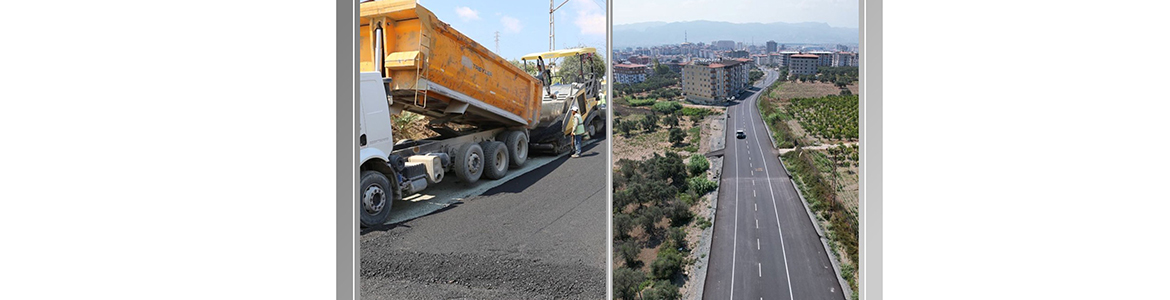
x=735, y=229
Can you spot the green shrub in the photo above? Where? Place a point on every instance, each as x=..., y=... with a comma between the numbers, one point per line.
x=676, y=237
x=629, y=252
x=662, y=290
x=626, y=282
x=622, y=225
x=703, y=223
x=640, y=102
x=701, y=185
x=676, y=136
x=696, y=112
x=698, y=165
x=667, y=107
x=668, y=263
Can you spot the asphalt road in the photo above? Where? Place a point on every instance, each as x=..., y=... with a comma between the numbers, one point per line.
x=541, y=235
x=764, y=245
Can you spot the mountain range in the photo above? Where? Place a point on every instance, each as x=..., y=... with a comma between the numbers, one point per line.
x=660, y=33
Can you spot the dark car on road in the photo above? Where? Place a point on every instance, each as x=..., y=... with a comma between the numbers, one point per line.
x=739, y=134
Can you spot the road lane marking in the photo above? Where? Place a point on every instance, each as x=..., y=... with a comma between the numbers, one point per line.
x=757, y=240
x=735, y=229
x=776, y=211
x=756, y=208
x=760, y=267
x=757, y=227
x=753, y=193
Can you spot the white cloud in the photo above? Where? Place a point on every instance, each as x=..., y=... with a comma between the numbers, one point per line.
x=511, y=25
x=590, y=17
x=466, y=13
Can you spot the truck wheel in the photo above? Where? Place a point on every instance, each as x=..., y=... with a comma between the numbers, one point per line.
x=517, y=144
x=376, y=196
x=495, y=160
x=469, y=162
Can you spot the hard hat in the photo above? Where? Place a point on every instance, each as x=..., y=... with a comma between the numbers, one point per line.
x=574, y=108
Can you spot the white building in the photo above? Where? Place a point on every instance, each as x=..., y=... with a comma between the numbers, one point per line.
x=803, y=64
x=630, y=73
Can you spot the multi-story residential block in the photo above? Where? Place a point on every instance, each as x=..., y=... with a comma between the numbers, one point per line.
x=770, y=47
x=712, y=82
x=824, y=58
x=630, y=73
x=786, y=57
x=845, y=59
x=640, y=59
x=723, y=45
x=803, y=64
x=761, y=59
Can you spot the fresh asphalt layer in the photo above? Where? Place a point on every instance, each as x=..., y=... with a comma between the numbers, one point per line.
x=540, y=235
x=764, y=245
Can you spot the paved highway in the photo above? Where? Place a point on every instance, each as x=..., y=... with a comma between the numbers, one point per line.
x=764, y=246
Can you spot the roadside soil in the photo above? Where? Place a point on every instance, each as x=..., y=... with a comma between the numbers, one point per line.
x=643, y=144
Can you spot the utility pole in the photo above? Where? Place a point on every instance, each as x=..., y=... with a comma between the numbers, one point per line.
x=552, y=32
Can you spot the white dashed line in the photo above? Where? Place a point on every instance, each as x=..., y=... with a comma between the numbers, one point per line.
x=760, y=268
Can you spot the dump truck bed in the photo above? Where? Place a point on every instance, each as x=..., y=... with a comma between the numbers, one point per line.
x=437, y=71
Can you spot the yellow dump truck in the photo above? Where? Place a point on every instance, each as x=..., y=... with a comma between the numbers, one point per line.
x=486, y=111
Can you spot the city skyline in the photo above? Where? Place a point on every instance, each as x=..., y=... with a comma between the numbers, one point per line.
x=836, y=13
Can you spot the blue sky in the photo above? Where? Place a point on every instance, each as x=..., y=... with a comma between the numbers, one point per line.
x=523, y=25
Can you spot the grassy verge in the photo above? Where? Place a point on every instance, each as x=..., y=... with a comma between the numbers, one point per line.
x=775, y=118
x=842, y=226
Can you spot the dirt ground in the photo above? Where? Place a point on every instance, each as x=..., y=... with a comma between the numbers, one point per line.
x=789, y=90
x=642, y=144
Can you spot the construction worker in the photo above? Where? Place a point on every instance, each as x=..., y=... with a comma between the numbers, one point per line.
x=578, y=131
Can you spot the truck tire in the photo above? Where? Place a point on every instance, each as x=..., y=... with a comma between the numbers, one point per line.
x=375, y=197
x=517, y=144
x=469, y=162
x=495, y=164
x=598, y=128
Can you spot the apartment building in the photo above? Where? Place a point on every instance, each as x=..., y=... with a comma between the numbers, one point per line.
x=803, y=64
x=640, y=59
x=845, y=59
x=713, y=82
x=824, y=58
x=630, y=73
